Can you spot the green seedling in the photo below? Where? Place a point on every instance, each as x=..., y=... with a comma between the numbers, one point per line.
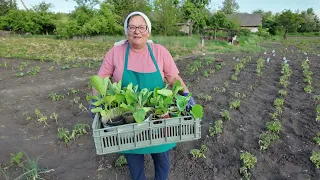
x=234, y=77
x=316, y=97
x=28, y=118
x=79, y=130
x=206, y=74
x=216, y=129
x=64, y=135
x=16, y=158
x=83, y=108
x=54, y=116
x=64, y=67
x=218, y=67
x=226, y=84
x=248, y=162
x=56, y=97
x=225, y=115
x=33, y=71
x=235, y=104
x=72, y=91
x=266, y=139
x=204, y=97
x=315, y=158
x=5, y=65
x=274, y=126
x=282, y=92
x=121, y=161
x=51, y=68
x=212, y=71
x=19, y=74
x=308, y=88
x=278, y=102
x=199, y=153
x=274, y=115
x=317, y=138
x=41, y=117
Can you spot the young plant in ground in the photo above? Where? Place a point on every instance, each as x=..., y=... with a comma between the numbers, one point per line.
x=318, y=112
x=199, y=153
x=260, y=65
x=19, y=74
x=54, y=116
x=51, y=68
x=41, y=117
x=225, y=115
x=79, y=130
x=64, y=135
x=33, y=71
x=121, y=161
x=56, y=97
x=226, y=84
x=275, y=115
x=278, y=102
x=206, y=74
x=28, y=118
x=274, y=126
x=72, y=91
x=218, y=67
x=308, y=88
x=282, y=92
x=315, y=158
x=248, y=162
x=234, y=77
x=316, y=97
x=16, y=158
x=205, y=97
x=266, y=139
x=235, y=104
x=317, y=138
x=216, y=129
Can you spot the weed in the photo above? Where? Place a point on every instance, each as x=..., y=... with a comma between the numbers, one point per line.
x=56, y=97
x=83, y=108
x=28, y=117
x=274, y=126
x=19, y=74
x=225, y=115
x=235, y=104
x=16, y=158
x=315, y=158
x=41, y=117
x=266, y=139
x=121, y=161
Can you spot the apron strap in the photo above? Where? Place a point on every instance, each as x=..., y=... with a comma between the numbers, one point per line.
x=151, y=54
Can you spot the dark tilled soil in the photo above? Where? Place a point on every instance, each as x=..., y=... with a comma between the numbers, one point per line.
x=287, y=158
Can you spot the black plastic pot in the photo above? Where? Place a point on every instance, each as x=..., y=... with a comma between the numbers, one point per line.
x=119, y=120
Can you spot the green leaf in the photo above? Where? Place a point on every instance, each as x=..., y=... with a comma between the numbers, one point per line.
x=139, y=115
x=165, y=92
x=109, y=99
x=96, y=110
x=120, y=98
x=99, y=102
x=177, y=87
x=197, y=111
x=99, y=84
x=90, y=97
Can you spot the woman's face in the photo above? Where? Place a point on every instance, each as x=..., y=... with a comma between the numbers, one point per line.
x=137, y=31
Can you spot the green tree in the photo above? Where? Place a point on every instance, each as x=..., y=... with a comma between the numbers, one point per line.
x=124, y=7
x=289, y=22
x=6, y=5
x=310, y=22
x=42, y=7
x=229, y=6
x=168, y=15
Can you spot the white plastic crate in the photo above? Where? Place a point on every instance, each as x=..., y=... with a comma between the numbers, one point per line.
x=150, y=133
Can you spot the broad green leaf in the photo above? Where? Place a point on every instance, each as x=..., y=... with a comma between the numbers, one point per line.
x=139, y=115
x=177, y=87
x=165, y=92
x=99, y=102
x=109, y=99
x=197, y=111
x=90, y=97
x=99, y=84
x=120, y=98
x=129, y=97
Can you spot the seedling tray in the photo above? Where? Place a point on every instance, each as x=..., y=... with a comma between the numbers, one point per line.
x=149, y=133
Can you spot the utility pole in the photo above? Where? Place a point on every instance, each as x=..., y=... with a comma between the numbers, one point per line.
x=24, y=5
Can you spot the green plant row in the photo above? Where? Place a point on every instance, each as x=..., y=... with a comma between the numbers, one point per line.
x=238, y=67
x=307, y=76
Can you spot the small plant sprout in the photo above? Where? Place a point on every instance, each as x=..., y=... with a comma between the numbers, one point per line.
x=51, y=68
x=72, y=91
x=317, y=138
x=54, y=116
x=248, y=162
x=55, y=96
x=318, y=112
x=5, y=65
x=226, y=84
x=274, y=115
x=19, y=74
x=235, y=104
x=308, y=88
x=204, y=97
x=260, y=65
x=234, y=77
x=34, y=71
x=41, y=117
x=266, y=139
x=121, y=161
x=206, y=74
x=199, y=153
x=225, y=115
x=278, y=102
x=28, y=118
x=274, y=126
x=80, y=129
x=316, y=97
x=282, y=92
x=315, y=158
x=64, y=134
x=15, y=159
x=216, y=129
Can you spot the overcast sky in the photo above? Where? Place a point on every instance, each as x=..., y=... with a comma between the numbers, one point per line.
x=245, y=5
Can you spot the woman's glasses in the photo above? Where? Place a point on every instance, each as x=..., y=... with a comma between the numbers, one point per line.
x=141, y=28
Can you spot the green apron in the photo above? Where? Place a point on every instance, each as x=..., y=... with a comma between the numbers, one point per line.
x=149, y=81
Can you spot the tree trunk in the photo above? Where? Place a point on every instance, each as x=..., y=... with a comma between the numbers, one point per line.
x=285, y=34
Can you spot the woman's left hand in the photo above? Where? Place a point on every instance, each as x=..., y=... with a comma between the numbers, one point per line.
x=191, y=102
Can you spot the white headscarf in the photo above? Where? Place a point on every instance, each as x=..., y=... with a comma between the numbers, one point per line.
x=125, y=26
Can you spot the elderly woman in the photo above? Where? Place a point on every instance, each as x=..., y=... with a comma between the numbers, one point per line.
x=137, y=60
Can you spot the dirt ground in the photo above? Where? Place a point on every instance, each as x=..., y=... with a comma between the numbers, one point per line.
x=287, y=158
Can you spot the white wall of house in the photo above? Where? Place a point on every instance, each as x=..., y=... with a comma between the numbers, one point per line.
x=252, y=29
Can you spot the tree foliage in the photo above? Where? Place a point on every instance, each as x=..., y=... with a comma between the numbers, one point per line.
x=230, y=6
x=289, y=21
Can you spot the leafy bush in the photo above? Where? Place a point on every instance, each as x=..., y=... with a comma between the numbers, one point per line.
x=244, y=32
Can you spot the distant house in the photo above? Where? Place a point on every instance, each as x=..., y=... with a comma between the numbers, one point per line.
x=186, y=27
x=247, y=21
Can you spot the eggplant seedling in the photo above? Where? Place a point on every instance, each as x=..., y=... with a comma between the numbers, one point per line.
x=235, y=104
x=54, y=116
x=317, y=138
x=274, y=126
x=248, y=162
x=225, y=115
x=216, y=129
x=266, y=139
x=315, y=158
x=121, y=161
x=199, y=153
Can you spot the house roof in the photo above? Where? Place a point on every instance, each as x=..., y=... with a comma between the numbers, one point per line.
x=246, y=19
